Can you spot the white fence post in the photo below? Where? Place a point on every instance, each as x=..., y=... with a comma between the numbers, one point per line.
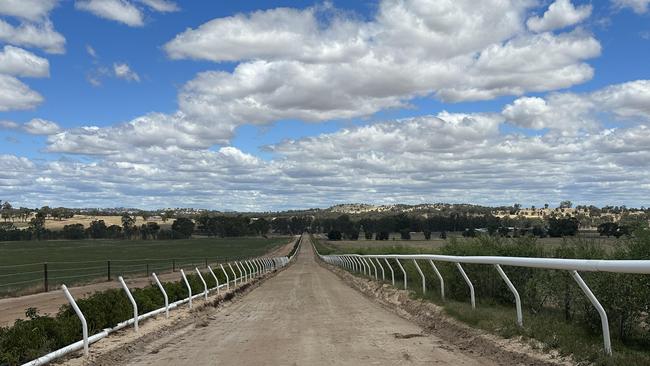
x=442, y=281
x=234, y=275
x=403, y=271
x=84, y=325
x=520, y=317
x=256, y=265
x=251, y=271
x=383, y=274
x=373, y=266
x=216, y=280
x=241, y=273
x=227, y=279
x=392, y=273
x=205, y=285
x=424, y=281
x=247, y=270
x=135, y=306
x=349, y=264
x=189, y=288
x=469, y=283
x=361, y=264
x=601, y=311
x=162, y=289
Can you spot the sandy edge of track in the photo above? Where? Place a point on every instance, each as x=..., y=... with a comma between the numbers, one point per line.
x=431, y=317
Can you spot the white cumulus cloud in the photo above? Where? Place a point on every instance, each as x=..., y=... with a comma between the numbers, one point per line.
x=163, y=6
x=638, y=6
x=118, y=10
x=33, y=10
x=123, y=71
x=14, y=94
x=319, y=64
x=560, y=14
x=572, y=112
x=19, y=62
x=39, y=35
x=38, y=126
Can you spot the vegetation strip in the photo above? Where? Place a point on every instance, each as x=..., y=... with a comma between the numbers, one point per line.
x=556, y=312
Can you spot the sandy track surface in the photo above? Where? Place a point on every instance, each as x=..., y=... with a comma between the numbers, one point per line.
x=305, y=315
x=49, y=302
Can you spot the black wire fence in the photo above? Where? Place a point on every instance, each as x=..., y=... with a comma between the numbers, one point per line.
x=22, y=279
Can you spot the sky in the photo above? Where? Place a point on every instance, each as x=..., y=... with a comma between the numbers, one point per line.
x=273, y=105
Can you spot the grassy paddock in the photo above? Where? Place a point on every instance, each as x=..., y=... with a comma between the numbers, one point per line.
x=82, y=261
x=435, y=243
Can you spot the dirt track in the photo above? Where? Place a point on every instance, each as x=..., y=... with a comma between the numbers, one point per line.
x=49, y=302
x=303, y=316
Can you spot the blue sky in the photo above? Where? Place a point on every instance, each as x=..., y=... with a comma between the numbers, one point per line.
x=558, y=76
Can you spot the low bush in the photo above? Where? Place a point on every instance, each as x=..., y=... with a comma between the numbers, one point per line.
x=39, y=335
x=548, y=296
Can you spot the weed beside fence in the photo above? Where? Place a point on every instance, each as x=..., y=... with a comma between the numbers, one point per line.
x=39, y=335
x=556, y=311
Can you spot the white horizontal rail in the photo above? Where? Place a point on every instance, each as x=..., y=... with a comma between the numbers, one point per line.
x=355, y=262
x=582, y=265
x=273, y=264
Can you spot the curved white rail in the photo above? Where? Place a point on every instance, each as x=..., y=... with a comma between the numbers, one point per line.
x=358, y=263
x=272, y=263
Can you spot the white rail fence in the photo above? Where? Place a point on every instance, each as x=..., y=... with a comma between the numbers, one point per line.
x=365, y=264
x=249, y=270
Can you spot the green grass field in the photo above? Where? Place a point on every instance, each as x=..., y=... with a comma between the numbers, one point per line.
x=77, y=261
x=420, y=245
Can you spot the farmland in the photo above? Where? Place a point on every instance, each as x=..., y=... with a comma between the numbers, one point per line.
x=418, y=243
x=85, y=220
x=76, y=261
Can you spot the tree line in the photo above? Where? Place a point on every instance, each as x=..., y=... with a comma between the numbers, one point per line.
x=343, y=227
x=181, y=228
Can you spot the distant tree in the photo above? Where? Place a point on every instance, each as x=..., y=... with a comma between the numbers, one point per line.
x=260, y=226
x=127, y=221
x=607, y=229
x=37, y=225
x=405, y=234
x=153, y=229
x=367, y=234
x=352, y=235
x=6, y=210
x=469, y=233
x=183, y=226
x=539, y=231
x=74, y=232
x=168, y=214
x=492, y=228
x=566, y=204
x=443, y=235
x=128, y=225
x=114, y=232
x=562, y=227
x=382, y=235
x=614, y=229
x=427, y=234
x=334, y=235
x=97, y=229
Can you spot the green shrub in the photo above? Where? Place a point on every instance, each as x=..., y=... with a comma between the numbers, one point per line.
x=39, y=335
